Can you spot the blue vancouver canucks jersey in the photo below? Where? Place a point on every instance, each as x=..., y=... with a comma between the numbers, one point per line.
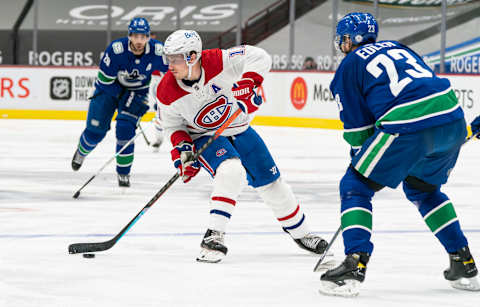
x=386, y=85
x=120, y=68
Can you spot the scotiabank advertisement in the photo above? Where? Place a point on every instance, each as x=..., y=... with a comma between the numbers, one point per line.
x=286, y=94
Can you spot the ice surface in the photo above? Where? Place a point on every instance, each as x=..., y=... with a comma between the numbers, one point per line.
x=154, y=264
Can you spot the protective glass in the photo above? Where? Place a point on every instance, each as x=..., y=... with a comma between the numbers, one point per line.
x=174, y=59
x=339, y=39
x=138, y=37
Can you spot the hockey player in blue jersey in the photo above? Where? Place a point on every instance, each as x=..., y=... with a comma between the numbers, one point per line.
x=404, y=125
x=122, y=84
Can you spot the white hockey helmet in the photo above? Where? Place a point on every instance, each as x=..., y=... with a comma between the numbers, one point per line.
x=183, y=42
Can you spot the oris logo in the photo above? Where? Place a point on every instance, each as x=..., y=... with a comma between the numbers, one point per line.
x=298, y=93
x=192, y=15
x=214, y=114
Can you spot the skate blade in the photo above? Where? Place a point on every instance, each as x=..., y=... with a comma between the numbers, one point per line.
x=327, y=264
x=350, y=289
x=210, y=256
x=156, y=146
x=123, y=190
x=329, y=253
x=469, y=284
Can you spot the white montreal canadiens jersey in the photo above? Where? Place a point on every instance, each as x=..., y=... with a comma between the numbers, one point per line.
x=204, y=107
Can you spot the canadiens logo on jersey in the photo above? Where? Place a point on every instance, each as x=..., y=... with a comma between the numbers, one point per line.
x=214, y=114
x=221, y=152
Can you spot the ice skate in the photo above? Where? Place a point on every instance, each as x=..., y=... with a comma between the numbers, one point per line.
x=77, y=160
x=212, y=248
x=158, y=142
x=123, y=180
x=312, y=243
x=317, y=245
x=345, y=279
x=462, y=272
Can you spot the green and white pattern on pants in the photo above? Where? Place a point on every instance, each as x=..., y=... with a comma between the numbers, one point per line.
x=82, y=150
x=374, y=153
x=440, y=217
x=357, y=217
x=125, y=160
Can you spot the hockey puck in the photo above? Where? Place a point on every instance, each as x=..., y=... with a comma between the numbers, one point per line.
x=88, y=255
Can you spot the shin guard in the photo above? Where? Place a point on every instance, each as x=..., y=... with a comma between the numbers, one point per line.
x=125, y=131
x=439, y=215
x=229, y=180
x=279, y=197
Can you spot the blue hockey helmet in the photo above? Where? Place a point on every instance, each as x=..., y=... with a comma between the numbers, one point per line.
x=361, y=28
x=139, y=25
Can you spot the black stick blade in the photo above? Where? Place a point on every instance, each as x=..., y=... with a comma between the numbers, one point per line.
x=79, y=248
x=317, y=266
x=76, y=194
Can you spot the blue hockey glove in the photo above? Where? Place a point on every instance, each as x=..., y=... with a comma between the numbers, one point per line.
x=132, y=104
x=476, y=126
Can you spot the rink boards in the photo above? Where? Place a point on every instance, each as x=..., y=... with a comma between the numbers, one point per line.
x=292, y=98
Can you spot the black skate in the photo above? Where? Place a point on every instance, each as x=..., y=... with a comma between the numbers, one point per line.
x=77, y=160
x=212, y=248
x=123, y=180
x=462, y=271
x=156, y=145
x=312, y=243
x=345, y=279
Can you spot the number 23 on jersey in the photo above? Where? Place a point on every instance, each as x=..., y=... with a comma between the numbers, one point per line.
x=387, y=61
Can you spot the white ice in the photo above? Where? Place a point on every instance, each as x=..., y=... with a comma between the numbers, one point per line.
x=154, y=264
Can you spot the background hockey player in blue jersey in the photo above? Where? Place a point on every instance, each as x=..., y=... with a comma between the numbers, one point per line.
x=404, y=125
x=122, y=84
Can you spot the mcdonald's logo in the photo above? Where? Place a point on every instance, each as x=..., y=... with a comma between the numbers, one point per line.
x=298, y=93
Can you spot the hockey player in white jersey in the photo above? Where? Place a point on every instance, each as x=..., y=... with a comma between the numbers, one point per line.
x=157, y=120
x=198, y=93
x=152, y=96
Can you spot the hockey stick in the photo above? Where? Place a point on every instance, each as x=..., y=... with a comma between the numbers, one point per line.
x=77, y=194
x=102, y=246
x=143, y=133
x=317, y=266
x=471, y=137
